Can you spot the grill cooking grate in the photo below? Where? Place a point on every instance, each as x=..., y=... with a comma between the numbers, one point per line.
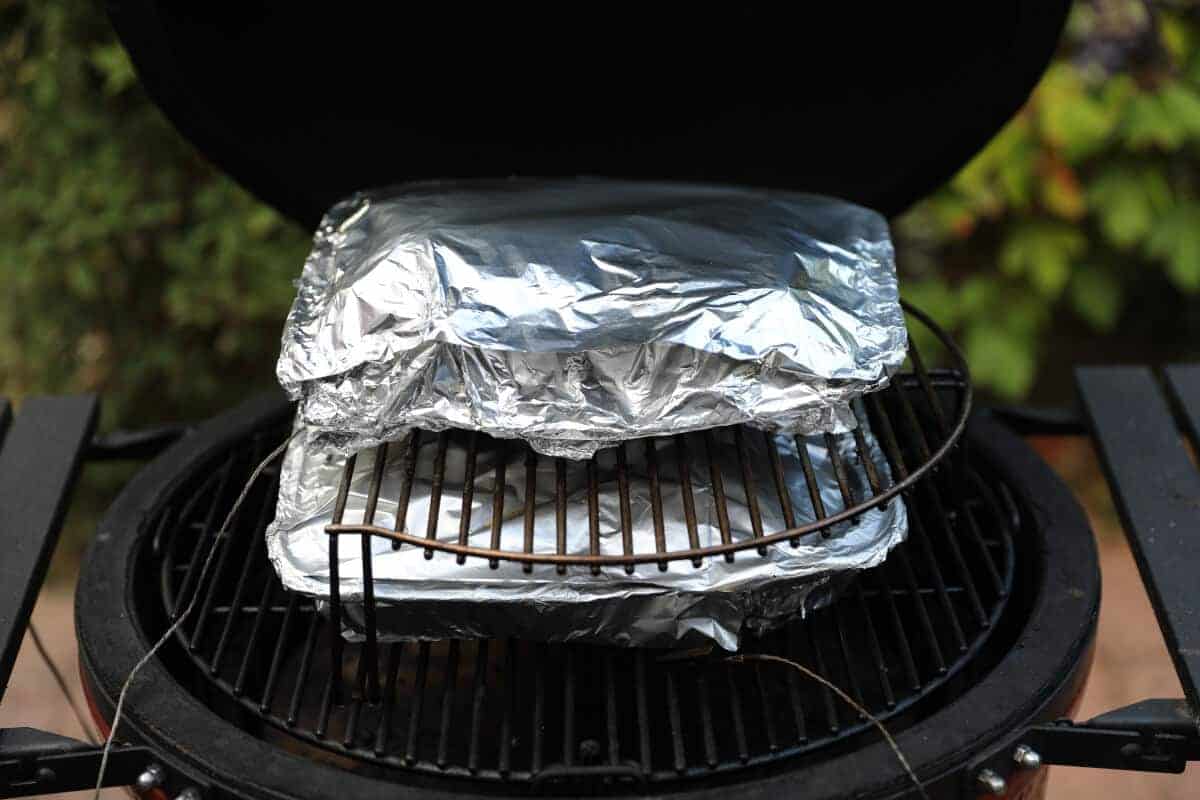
x=516, y=711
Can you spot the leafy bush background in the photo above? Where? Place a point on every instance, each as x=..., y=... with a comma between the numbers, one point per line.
x=132, y=268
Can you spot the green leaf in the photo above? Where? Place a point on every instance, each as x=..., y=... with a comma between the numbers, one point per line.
x=1127, y=198
x=1000, y=360
x=1096, y=296
x=1072, y=119
x=1163, y=119
x=1175, y=240
x=113, y=63
x=1182, y=103
x=1043, y=252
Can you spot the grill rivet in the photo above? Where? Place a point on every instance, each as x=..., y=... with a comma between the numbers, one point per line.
x=190, y=793
x=151, y=778
x=991, y=782
x=1027, y=757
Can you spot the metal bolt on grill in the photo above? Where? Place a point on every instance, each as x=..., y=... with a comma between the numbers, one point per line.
x=897, y=634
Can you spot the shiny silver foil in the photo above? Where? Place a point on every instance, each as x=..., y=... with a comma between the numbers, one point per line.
x=682, y=606
x=578, y=313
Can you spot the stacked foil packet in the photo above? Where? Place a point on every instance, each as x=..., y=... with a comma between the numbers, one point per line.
x=575, y=315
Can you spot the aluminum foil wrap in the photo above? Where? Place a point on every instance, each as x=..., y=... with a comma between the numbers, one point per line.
x=578, y=313
x=683, y=606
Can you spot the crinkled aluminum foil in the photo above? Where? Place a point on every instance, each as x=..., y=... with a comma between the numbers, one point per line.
x=682, y=606
x=578, y=313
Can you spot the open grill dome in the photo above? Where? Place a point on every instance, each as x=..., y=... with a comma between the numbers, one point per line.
x=305, y=105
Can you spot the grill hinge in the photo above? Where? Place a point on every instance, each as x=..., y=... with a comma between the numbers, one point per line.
x=34, y=763
x=1159, y=735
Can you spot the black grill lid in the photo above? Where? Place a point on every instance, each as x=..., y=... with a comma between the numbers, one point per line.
x=305, y=103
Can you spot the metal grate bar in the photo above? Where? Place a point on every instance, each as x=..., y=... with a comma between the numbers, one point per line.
x=883, y=425
x=368, y=577
x=706, y=720
x=498, y=498
x=206, y=533
x=239, y=686
x=750, y=486
x=468, y=494
x=939, y=414
x=810, y=481
x=689, y=500
x=336, y=647
x=985, y=554
x=406, y=484
x=510, y=708
x=238, y=593
x=478, y=697
x=225, y=545
x=916, y=533
x=530, y=502
x=864, y=458
x=593, y=513
x=881, y=669
x=449, y=681
x=413, y=740
x=798, y=719
x=848, y=658
x=560, y=510
x=383, y=730
x=306, y=658
x=656, y=503
x=899, y=633
x=643, y=709
x=539, y=709
x=718, y=490
x=350, y=732
x=268, y=693
x=626, y=512
x=766, y=710
x=735, y=710
x=322, y=726
x=932, y=642
x=781, y=489
x=839, y=470
x=818, y=661
x=964, y=573
x=568, y=734
x=435, y=489
x=610, y=711
x=676, y=724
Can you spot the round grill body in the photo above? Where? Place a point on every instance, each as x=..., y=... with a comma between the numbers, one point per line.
x=978, y=626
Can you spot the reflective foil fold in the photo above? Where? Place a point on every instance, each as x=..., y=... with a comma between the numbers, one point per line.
x=684, y=605
x=578, y=313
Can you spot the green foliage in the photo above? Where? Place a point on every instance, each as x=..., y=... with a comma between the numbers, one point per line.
x=130, y=267
x=1094, y=187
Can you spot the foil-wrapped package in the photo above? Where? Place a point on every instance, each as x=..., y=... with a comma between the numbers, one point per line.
x=578, y=313
x=683, y=605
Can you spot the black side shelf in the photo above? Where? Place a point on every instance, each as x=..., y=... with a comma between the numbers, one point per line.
x=1155, y=483
x=41, y=452
x=1156, y=486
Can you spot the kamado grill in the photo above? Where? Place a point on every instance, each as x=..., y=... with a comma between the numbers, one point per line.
x=970, y=644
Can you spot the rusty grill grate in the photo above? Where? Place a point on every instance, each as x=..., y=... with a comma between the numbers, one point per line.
x=515, y=711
